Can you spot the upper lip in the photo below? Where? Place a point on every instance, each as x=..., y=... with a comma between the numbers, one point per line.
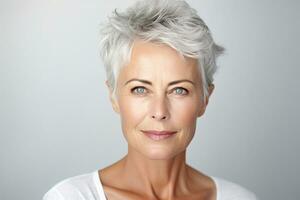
x=158, y=132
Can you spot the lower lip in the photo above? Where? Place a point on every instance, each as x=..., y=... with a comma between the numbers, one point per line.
x=159, y=137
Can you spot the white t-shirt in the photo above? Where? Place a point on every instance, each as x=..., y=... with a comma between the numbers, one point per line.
x=89, y=187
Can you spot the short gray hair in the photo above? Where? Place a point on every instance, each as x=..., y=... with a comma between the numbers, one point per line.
x=171, y=22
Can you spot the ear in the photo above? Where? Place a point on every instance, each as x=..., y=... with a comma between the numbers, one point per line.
x=211, y=88
x=113, y=101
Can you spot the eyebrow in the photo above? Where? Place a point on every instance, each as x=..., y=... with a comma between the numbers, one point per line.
x=149, y=83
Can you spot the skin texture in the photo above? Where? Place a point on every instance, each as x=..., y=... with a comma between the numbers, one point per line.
x=157, y=169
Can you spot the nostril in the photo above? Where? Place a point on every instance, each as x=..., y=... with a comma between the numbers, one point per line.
x=164, y=117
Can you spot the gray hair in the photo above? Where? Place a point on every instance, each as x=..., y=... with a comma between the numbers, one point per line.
x=171, y=22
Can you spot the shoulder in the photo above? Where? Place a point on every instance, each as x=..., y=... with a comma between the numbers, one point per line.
x=79, y=187
x=227, y=190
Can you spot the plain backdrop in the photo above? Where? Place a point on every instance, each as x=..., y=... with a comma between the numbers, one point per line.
x=56, y=120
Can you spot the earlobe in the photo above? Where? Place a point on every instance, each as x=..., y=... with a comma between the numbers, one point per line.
x=115, y=106
x=201, y=112
x=113, y=101
x=211, y=88
x=203, y=108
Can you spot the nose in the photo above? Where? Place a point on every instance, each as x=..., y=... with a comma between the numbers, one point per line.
x=159, y=109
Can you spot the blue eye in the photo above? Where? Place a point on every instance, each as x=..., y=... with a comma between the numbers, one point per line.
x=181, y=91
x=138, y=90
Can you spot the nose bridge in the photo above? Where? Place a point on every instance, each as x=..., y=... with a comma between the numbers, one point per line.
x=159, y=108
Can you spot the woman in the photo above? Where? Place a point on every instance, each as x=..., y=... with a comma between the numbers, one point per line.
x=160, y=59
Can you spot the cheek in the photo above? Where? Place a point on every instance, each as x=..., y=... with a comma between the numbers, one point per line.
x=132, y=111
x=185, y=118
x=185, y=111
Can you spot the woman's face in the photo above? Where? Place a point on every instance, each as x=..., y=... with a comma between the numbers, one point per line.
x=156, y=104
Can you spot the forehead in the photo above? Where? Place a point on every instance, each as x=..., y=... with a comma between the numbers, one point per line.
x=157, y=59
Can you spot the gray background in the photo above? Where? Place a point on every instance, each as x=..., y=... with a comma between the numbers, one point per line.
x=56, y=120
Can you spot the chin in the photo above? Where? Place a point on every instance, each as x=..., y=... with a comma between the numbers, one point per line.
x=159, y=154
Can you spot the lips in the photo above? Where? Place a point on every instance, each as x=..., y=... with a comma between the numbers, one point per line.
x=159, y=135
x=153, y=132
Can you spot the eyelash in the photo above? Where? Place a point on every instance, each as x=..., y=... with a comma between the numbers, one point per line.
x=187, y=92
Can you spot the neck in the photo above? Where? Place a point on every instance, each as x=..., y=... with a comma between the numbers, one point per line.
x=161, y=179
